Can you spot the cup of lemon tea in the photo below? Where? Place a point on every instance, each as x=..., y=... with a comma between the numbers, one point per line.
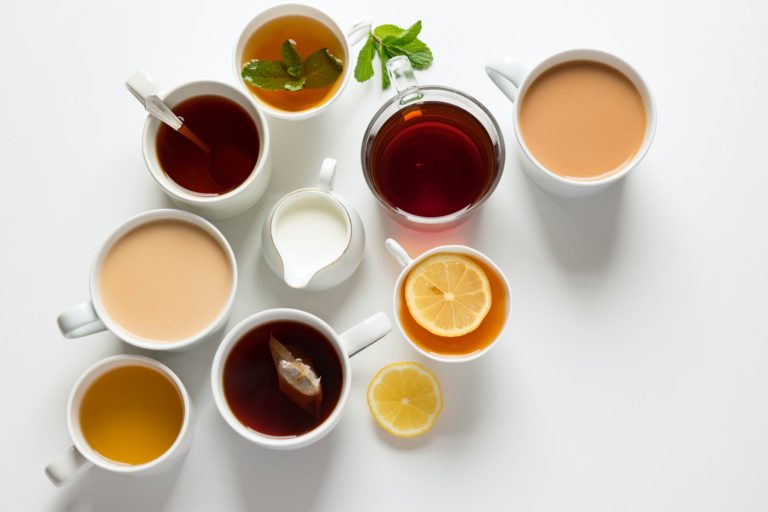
x=294, y=60
x=451, y=303
x=126, y=414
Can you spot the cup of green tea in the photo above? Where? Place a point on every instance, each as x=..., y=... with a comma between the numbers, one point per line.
x=126, y=414
x=294, y=60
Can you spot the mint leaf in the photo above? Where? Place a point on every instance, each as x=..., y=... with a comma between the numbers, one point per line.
x=384, y=57
x=404, y=37
x=267, y=74
x=383, y=31
x=416, y=51
x=321, y=69
x=364, y=67
x=291, y=59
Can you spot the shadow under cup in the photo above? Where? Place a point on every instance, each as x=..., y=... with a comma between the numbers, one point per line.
x=432, y=155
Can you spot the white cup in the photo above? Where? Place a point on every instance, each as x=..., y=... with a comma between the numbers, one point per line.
x=513, y=80
x=346, y=345
x=91, y=317
x=407, y=263
x=81, y=455
x=355, y=34
x=217, y=206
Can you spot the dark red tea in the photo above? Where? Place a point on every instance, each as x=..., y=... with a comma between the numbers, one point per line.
x=226, y=128
x=431, y=160
x=251, y=383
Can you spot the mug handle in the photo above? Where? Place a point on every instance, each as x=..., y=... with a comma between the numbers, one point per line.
x=359, y=30
x=397, y=252
x=80, y=320
x=366, y=333
x=401, y=75
x=327, y=175
x=67, y=465
x=507, y=74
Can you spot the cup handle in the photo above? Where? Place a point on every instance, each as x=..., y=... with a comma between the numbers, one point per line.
x=79, y=321
x=506, y=74
x=66, y=466
x=366, y=333
x=397, y=252
x=327, y=175
x=401, y=75
x=359, y=30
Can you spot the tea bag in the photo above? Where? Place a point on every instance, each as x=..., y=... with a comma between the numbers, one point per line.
x=296, y=377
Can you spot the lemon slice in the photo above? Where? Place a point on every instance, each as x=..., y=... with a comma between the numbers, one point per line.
x=405, y=399
x=448, y=294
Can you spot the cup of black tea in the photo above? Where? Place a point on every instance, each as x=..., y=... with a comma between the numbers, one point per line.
x=431, y=155
x=281, y=377
x=229, y=170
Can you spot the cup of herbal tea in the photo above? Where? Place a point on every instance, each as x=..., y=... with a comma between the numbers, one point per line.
x=431, y=155
x=294, y=60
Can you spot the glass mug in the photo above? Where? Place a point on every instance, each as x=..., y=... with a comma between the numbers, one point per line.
x=431, y=155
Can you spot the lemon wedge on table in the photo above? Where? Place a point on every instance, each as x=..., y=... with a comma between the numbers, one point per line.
x=405, y=399
x=448, y=294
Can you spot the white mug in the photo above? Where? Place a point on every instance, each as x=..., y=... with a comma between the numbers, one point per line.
x=407, y=263
x=307, y=276
x=354, y=35
x=81, y=455
x=216, y=206
x=346, y=345
x=513, y=80
x=91, y=317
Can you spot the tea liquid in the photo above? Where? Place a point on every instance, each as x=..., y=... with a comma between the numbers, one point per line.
x=131, y=414
x=226, y=128
x=431, y=160
x=472, y=342
x=251, y=383
x=309, y=35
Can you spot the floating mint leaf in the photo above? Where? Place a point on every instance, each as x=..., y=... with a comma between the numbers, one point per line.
x=267, y=74
x=321, y=69
x=364, y=67
x=292, y=59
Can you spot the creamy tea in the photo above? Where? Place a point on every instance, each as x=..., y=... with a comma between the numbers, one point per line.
x=582, y=119
x=165, y=280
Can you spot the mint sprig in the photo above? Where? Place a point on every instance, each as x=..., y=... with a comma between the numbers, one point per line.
x=387, y=41
x=320, y=69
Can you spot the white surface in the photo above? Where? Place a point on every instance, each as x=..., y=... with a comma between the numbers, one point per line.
x=633, y=376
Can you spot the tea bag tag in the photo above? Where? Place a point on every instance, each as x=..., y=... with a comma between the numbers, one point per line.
x=297, y=380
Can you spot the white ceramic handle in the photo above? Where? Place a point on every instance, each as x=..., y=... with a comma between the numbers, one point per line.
x=397, y=252
x=366, y=333
x=327, y=175
x=66, y=466
x=147, y=92
x=506, y=74
x=80, y=320
x=358, y=31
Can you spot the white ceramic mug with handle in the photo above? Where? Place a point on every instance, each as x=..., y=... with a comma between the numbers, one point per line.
x=81, y=456
x=346, y=344
x=348, y=38
x=514, y=80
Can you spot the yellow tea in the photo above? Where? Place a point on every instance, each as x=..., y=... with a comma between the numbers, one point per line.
x=309, y=35
x=131, y=414
x=475, y=341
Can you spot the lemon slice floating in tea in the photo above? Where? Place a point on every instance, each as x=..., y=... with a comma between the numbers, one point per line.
x=448, y=294
x=405, y=399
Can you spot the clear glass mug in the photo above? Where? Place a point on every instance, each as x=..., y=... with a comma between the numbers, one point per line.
x=410, y=94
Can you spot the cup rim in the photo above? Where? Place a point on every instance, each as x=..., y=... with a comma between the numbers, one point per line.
x=287, y=9
x=443, y=220
x=132, y=223
x=460, y=249
x=235, y=335
x=73, y=420
x=149, y=144
x=607, y=59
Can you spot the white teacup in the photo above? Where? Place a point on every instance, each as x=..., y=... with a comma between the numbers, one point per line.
x=218, y=206
x=513, y=80
x=81, y=455
x=91, y=316
x=355, y=34
x=346, y=345
x=326, y=248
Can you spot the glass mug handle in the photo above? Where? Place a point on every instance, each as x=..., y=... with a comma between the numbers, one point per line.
x=400, y=74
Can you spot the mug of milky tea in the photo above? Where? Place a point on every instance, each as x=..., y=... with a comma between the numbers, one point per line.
x=294, y=60
x=164, y=280
x=583, y=118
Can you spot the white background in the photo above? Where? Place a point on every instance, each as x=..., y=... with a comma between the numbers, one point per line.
x=634, y=374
